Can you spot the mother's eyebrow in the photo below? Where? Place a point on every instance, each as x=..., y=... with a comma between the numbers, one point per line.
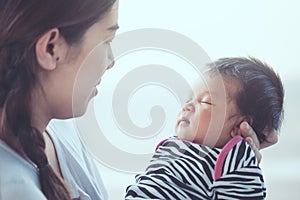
x=113, y=27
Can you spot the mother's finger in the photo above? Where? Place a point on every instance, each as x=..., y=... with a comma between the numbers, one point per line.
x=254, y=148
x=247, y=131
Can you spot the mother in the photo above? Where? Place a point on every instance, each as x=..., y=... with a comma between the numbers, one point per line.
x=42, y=47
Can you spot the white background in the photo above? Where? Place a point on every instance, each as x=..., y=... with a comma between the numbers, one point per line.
x=268, y=30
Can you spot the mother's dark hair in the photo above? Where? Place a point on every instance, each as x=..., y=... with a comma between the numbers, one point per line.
x=22, y=22
x=261, y=96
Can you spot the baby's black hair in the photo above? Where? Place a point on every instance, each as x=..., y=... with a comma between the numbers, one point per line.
x=261, y=97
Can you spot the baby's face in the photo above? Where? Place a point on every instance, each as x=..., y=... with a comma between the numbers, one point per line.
x=210, y=114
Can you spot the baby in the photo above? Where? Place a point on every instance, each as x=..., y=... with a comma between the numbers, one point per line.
x=207, y=159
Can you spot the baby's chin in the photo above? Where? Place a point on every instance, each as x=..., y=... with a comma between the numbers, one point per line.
x=185, y=136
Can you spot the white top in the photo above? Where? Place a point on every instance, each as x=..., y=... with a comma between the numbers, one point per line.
x=19, y=178
x=76, y=162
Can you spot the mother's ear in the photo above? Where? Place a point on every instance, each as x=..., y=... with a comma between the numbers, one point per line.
x=50, y=48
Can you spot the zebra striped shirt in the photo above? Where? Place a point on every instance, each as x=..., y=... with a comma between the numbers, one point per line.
x=184, y=170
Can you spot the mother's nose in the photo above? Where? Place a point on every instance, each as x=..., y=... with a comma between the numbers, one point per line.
x=111, y=58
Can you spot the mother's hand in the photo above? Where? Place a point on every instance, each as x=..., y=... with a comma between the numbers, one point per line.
x=248, y=133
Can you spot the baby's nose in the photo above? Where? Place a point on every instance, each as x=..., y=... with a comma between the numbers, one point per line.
x=188, y=107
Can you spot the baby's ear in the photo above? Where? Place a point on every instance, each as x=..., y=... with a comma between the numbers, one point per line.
x=249, y=119
x=234, y=132
x=236, y=129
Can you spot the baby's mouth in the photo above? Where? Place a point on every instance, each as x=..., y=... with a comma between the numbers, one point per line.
x=183, y=121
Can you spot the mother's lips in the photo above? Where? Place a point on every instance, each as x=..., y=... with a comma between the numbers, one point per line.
x=98, y=83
